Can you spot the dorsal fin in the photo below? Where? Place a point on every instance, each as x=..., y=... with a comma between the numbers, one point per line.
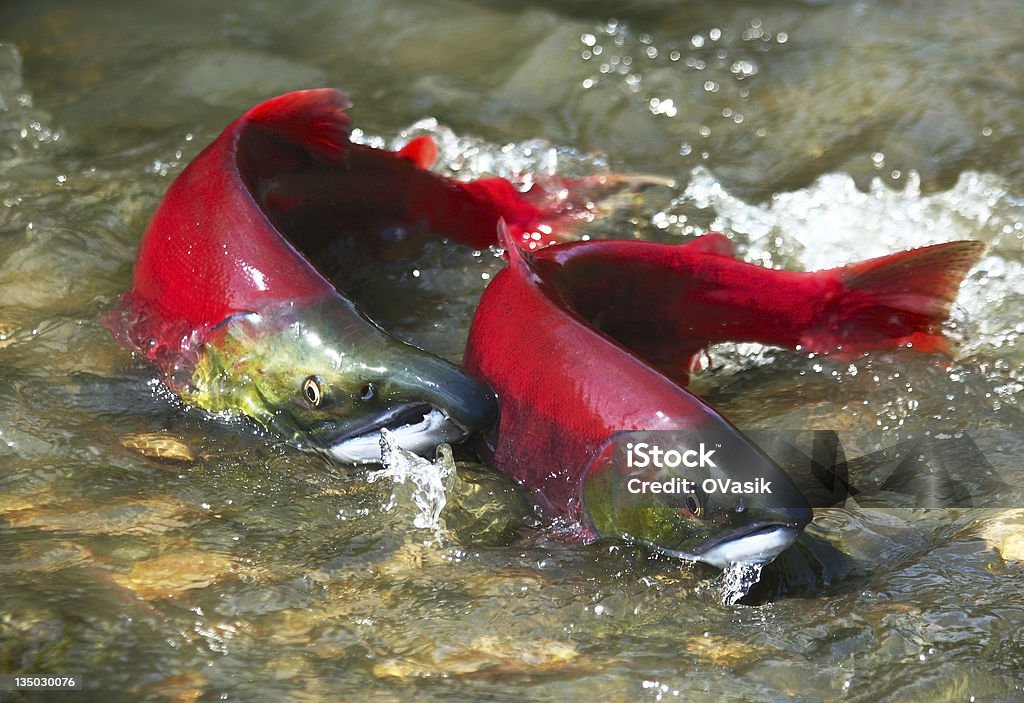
x=505, y=237
x=712, y=243
x=421, y=150
x=507, y=242
x=312, y=119
x=518, y=256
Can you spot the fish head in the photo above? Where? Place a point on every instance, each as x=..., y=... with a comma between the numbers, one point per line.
x=326, y=379
x=709, y=495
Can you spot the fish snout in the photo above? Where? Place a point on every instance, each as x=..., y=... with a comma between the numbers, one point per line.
x=422, y=399
x=796, y=516
x=462, y=399
x=362, y=380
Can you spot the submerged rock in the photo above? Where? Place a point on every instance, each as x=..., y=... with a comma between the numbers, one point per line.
x=171, y=575
x=1005, y=533
x=157, y=445
x=486, y=653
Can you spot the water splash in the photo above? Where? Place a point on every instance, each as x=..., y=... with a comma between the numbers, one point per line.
x=468, y=158
x=417, y=479
x=825, y=224
x=664, y=73
x=737, y=580
x=21, y=125
x=833, y=222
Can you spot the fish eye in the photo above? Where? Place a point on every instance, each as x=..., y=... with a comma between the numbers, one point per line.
x=312, y=391
x=692, y=503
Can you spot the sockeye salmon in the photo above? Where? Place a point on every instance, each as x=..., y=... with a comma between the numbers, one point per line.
x=586, y=341
x=580, y=341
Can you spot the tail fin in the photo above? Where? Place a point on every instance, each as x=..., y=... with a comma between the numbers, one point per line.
x=896, y=300
x=313, y=119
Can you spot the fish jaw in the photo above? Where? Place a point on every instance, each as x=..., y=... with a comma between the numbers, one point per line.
x=271, y=366
x=758, y=543
x=431, y=402
x=418, y=436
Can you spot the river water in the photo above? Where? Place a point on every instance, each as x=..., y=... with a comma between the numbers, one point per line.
x=167, y=556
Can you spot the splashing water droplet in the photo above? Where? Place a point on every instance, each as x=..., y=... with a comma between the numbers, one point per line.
x=737, y=579
x=424, y=481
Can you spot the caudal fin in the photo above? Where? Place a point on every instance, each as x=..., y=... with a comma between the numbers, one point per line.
x=896, y=300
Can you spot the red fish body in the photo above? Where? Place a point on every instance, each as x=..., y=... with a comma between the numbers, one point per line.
x=284, y=177
x=627, y=317
x=580, y=341
x=226, y=302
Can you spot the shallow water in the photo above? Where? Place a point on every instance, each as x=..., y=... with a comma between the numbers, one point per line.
x=169, y=557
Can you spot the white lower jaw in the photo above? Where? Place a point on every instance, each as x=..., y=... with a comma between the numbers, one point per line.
x=421, y=437
x=758, y=548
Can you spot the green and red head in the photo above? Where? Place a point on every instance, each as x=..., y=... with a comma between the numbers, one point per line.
x=226, y=302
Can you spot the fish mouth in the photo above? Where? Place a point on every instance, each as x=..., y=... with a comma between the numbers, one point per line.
x=756, y=543
x=416, y=427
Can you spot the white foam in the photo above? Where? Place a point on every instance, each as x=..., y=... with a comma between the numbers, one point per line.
x=831, y=223
x=737, y=579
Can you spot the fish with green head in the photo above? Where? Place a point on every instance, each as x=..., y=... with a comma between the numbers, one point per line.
x=226, y=303
x=604, y=362
x=704, y=494
x=324, y=378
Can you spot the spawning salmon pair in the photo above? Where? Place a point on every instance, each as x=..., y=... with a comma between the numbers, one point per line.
x=575, y=347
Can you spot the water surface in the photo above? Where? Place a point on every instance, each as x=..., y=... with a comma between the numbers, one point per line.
x=170, y=557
